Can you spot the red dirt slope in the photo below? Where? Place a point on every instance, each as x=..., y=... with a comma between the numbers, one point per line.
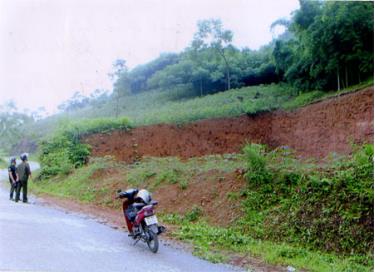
x=313, y=131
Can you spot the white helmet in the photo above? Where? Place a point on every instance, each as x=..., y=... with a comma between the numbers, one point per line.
x=143, y=196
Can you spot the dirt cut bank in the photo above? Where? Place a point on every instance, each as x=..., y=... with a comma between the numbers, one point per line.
x=313, y=131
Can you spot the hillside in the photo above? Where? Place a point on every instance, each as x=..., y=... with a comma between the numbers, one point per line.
x=260, y=202
x=166, y=108
x=261, y=157
x=312, y=131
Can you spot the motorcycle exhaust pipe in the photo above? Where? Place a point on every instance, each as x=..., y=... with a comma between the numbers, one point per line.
x=161, y=229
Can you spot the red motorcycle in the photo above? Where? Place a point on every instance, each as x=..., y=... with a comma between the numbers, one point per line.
x=140, y=218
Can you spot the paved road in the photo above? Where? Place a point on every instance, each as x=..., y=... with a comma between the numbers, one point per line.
x=38, y=238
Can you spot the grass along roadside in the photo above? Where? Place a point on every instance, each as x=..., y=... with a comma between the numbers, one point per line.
x=100, y=179
x=281, y=221
x=217, y=244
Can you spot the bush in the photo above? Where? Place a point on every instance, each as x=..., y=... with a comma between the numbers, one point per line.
x=194, y=214
x=329, y=208
x=64, y=151
x=256, y=164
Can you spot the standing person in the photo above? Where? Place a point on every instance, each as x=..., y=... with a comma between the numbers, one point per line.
x=12, y=177
x=23, y=174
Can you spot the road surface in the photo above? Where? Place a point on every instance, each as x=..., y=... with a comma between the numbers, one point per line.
x=39, y=238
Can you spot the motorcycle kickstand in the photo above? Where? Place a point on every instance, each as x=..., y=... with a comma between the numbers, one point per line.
x=137, y=241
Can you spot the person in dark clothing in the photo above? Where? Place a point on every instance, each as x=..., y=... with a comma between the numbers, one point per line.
x=12, y=177
x=23, y=174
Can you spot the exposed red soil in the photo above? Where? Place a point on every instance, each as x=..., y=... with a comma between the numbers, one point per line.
x=312, y=131
x=209, y=192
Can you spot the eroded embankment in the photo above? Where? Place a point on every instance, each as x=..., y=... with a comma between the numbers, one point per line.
x=313, y=131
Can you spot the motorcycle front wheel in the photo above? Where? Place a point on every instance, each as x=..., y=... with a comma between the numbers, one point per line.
x=152, y=241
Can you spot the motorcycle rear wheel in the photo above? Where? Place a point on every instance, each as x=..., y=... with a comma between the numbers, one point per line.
x=153, y=241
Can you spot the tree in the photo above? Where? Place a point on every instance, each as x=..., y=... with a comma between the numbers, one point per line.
x=332, y=45
x=77, y=101
x=342, y=42
x=121, y=85
x=98, y=97
x=12, y=125
x=140, y=75
x=212, y=35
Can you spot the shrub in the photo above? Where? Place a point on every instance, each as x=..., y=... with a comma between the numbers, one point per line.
x=326, y=207
x=63, y=151
x=194, y=214
x=256, y=164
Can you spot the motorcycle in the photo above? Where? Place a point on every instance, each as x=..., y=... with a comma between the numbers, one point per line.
x=140, y=217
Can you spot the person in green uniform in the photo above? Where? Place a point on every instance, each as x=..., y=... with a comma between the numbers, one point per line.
x=23, y=175
x=12, y=177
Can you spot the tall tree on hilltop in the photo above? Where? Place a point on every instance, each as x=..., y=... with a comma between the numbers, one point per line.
x=121, y=85
x=212, y=35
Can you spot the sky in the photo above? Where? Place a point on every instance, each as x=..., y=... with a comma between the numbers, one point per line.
x=50, y=49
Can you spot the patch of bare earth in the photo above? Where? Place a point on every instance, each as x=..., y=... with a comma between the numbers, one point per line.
x=209, y=192
x=313, y=131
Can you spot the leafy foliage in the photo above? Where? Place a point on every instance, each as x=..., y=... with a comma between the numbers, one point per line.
x=332, y=46
x=329, y=209
x=12, y=129
x=213, y=243
x=289, y=218
x=211, y=64
x=62, y=152
x=326, y=45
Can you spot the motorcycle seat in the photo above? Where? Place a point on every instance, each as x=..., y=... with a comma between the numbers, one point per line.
x=138, y=206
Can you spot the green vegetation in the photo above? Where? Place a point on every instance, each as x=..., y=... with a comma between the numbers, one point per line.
x=12, y=129
x=155, y=107
x=296, y=214
x=3, y=163
x=304, y=99
x=154, y=172
x=64, y=151
x=325, y=46
x=328, y=48
x=308, y=215
x=78, y=185
x=327, y=208
x=151, y=173
x=87, y=185
x=216, y=244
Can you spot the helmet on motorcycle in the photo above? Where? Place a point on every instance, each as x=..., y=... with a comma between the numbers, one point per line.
x=143, y=196
x=12, y=160
x=24, y=156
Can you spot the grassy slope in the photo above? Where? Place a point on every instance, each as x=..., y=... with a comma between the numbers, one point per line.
x=164, y=107
x=97, y=182
x=151, y=173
